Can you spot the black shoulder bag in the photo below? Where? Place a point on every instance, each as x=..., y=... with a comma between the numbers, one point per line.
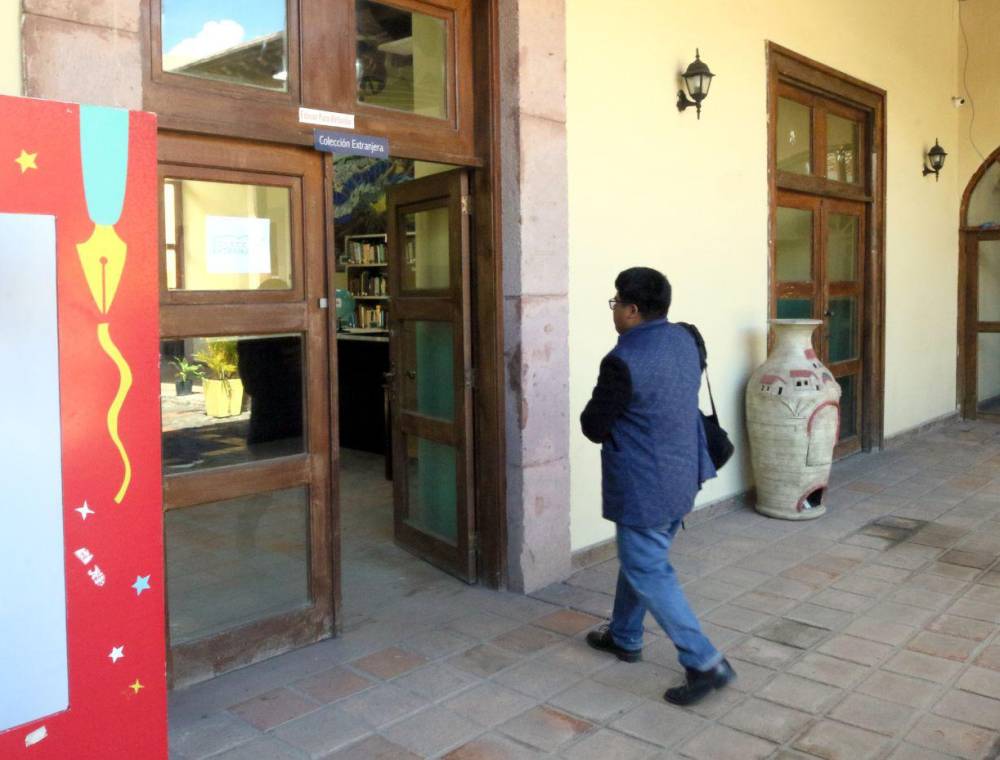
x=720, y=448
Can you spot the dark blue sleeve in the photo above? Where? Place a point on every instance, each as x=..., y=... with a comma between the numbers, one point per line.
x=609, y=400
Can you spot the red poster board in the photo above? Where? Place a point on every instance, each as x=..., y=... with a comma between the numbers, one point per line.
x=94, y=171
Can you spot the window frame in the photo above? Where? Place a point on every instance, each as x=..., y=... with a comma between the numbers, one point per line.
x=321, y=75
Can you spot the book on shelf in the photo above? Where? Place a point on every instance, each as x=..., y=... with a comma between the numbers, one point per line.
x=371, y=317
x=362, y=252
x=368, y=284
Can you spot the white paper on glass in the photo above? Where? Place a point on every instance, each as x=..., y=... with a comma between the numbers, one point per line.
x=34, y=681
x=237, y=245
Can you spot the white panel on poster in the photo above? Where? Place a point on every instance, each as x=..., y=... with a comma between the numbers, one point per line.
x=238, y=245
x=34, y=680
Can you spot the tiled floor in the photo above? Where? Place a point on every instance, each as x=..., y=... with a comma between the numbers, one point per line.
x=873, y=632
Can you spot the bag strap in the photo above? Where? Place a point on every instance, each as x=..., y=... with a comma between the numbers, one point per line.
x=710, y=397
x=703, y=356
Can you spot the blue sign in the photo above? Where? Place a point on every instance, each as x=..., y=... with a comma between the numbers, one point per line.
x=347, y=144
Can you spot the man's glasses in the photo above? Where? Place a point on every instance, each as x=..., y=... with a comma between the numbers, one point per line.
x=613, y=302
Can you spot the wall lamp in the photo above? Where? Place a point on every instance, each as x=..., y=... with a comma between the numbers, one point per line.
x=697, y=78
x=935, y=157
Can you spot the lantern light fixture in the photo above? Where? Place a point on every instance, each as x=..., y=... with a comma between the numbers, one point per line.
x=697, y=79
x=935, y=157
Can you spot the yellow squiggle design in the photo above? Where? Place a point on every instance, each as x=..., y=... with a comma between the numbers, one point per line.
x=125, y=383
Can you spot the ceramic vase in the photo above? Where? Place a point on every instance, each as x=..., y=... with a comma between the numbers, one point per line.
x=793, y=419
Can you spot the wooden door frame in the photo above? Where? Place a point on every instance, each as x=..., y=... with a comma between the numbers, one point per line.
x=967, y=328
x=234, y=313
x=784, y=65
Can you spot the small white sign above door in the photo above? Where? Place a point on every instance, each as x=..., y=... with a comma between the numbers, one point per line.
x=326, y=118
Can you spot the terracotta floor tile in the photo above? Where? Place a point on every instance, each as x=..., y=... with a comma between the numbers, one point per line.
x=568, y=622
x=273, y=708
x=389, y=663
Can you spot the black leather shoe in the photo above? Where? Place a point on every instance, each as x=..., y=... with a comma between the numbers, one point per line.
x=601, y=639
x=701, y=683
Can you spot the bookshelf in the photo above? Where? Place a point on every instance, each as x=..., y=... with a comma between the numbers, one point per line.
x=367, y=268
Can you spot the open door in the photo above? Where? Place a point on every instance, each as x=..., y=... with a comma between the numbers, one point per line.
x=431, y=375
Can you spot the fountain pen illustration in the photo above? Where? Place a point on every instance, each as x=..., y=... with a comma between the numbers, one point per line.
x=104, y=155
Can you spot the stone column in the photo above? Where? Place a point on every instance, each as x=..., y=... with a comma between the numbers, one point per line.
x=83, y=51
x=536, y=283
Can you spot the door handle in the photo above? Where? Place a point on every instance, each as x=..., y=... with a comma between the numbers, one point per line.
x=412, y=374
x=828, y=313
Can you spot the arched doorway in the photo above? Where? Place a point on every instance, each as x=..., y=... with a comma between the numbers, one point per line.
x=979, y=293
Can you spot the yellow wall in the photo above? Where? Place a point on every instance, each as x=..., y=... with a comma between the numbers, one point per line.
x=977, y=81
x=10, y=47
x=651, y=186
x=979, y=136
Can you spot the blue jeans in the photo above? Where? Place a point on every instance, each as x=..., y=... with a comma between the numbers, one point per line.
x=647, y=581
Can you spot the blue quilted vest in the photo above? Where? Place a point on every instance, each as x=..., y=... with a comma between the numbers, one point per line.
x=657, y=458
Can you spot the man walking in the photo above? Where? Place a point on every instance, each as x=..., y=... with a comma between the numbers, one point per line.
x=644, y=413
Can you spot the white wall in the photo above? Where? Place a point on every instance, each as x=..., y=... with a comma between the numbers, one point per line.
x=10, y=47
x=651, y=186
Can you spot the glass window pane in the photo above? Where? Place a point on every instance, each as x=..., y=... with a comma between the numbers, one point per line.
x=984, y=202
x=432, y=480
x=842, y=329
x=794, y=308
x=794, y=137
x=841, y=247
x=228, y=41
x=401, y=59
x=989, y=280
x=428, y=380
x=427, y=264
x=988, y=373
x=842, y=149
x=794, y=245
x=230, y=400
x=231, y=236
x=848, y=406
x=230, y=563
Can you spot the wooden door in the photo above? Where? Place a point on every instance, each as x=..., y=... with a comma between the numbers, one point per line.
x=431, y=377
x=981, y=349
x=246, y=480
x=818, y=273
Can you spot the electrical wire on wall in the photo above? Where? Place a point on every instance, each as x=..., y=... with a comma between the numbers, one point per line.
x=965, y=82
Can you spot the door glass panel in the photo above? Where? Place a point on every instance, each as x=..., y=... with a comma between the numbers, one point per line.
x=401, y=59
x=984, y=202
x=988, y=373
x=794, y=245
x=230, y=563
x=427, y=264
x=841, y=149
x=842, y=329
x=794, y=308
x=841, y=247
x=432, y=480
x=228, y=41
x=794, y=137
x=848, y=406
x=989, y=280
x=230, y=400
x=428, y=381
x=227, y=236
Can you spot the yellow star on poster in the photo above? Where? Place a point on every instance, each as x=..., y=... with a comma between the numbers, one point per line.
x=26, y=160
x=136, y=686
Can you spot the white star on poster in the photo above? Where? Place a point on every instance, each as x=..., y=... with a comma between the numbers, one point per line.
x=117, y=653
x=141, y=584
x=84, y=510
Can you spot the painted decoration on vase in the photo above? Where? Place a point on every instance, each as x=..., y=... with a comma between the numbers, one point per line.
x=793, y=420
x=82, y=663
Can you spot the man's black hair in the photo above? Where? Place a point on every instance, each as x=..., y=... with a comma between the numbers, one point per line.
x=648, y=289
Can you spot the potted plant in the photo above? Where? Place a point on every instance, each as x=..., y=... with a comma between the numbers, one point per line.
x=223, y=390
x=185, y=374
